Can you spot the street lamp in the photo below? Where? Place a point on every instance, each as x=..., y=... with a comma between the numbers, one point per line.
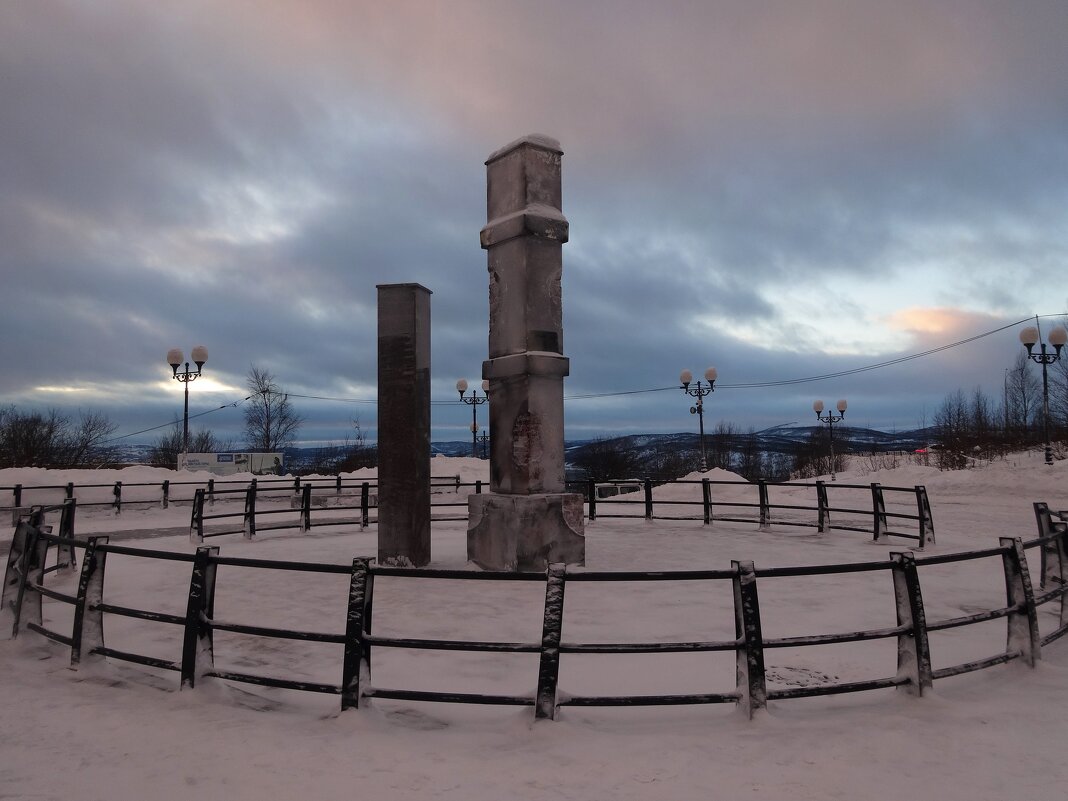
x=699, y=392
x=1057, y=337
x=830, y=419
x=175, y=357
x=483, y=438
x=474, y=401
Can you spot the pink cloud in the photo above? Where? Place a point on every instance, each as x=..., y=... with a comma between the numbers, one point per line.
x=941, y=324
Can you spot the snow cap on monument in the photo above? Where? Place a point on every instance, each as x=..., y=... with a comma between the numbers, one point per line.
x=534, y=139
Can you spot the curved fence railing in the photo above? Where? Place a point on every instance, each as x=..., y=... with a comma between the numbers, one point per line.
x=882, y=511
x=24, y=588
x=22, y=497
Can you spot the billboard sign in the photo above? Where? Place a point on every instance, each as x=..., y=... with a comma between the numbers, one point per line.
x=225, y=464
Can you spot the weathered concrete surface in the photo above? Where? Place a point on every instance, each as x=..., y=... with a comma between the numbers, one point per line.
x=403, y=424
x=525, y=532
x=527, y=520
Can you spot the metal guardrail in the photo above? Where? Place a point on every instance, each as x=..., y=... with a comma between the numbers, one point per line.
x=20, y=494
x=301, y=514
x=761, y=510
x=23, y=590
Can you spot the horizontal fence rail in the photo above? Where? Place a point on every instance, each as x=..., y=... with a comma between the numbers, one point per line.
x=747, y=687
x=315, y=503
x=21, y=497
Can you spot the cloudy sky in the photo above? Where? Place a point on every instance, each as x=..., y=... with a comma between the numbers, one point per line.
x=779, y=189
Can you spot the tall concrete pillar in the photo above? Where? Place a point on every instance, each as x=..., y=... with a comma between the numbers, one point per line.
x=403, y=424
x=526, y=521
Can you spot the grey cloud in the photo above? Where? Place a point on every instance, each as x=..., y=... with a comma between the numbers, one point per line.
x=716, y=156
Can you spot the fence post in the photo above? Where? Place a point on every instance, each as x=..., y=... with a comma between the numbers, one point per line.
x=706, y=500
x=19, y=560
x=478, y=486
x=296, y=484
x=552, y=623
x=337, y=485
x=1053, y=568
x=118, y=497
x=749, y=653
x=28, y=609
x=250, y=510
x=356, y=669
x=17, y=493
x=913, y=649
x=211, y=491
x=66, y=518
x=365, y=496
x=305, y=507
x=878, y=512
x=765, y=507
x=1023, y=633
x=591, y=490
x=824, y=514
x=166, y=493
x=88, y=632
x=196, y=521
x=923, y=509
x=70, y=490
x=648, y=486
x=65, y=551
x=1053, y=551
x=198, y=655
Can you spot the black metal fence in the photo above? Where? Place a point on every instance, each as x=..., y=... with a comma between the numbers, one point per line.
x=873, y=517
x=24, y=589
x=25, y=496
x=869, y=508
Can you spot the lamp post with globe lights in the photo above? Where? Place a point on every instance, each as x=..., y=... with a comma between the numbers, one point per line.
x=830, y=419
x=1057, y=338
x=699, y=392
x=175, y=357
x=474, y=401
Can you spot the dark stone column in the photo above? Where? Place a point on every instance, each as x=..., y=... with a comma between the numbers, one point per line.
x=526, y=521
x=403, y=424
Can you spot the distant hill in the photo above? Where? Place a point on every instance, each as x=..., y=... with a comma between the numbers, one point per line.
x=663, y=454
x=778, y=439
x=648, y=451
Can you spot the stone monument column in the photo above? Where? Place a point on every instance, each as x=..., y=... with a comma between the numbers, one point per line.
x=403, y=424
x=526, y=521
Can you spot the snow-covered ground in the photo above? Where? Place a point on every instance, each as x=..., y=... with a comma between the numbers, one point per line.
x=125, y=732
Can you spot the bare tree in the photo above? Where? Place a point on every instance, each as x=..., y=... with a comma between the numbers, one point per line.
x=724, y=443
x=30, y=439
x=1023, y=398
x=51, y=439
x=271, y=422
x=604, y=459
x=353, y=454
x=954, y=432
x=750, y=457
x=983, y=425
x=357, y=452
x=669, y=463
x=165, y=450
x=812, y=457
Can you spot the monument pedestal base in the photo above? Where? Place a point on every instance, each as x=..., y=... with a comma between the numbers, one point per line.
x=525, y=532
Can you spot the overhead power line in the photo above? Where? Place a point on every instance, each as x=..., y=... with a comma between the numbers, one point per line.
x=230, y=405
x=806, y=379
x=879, y=365
x=592, y=395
